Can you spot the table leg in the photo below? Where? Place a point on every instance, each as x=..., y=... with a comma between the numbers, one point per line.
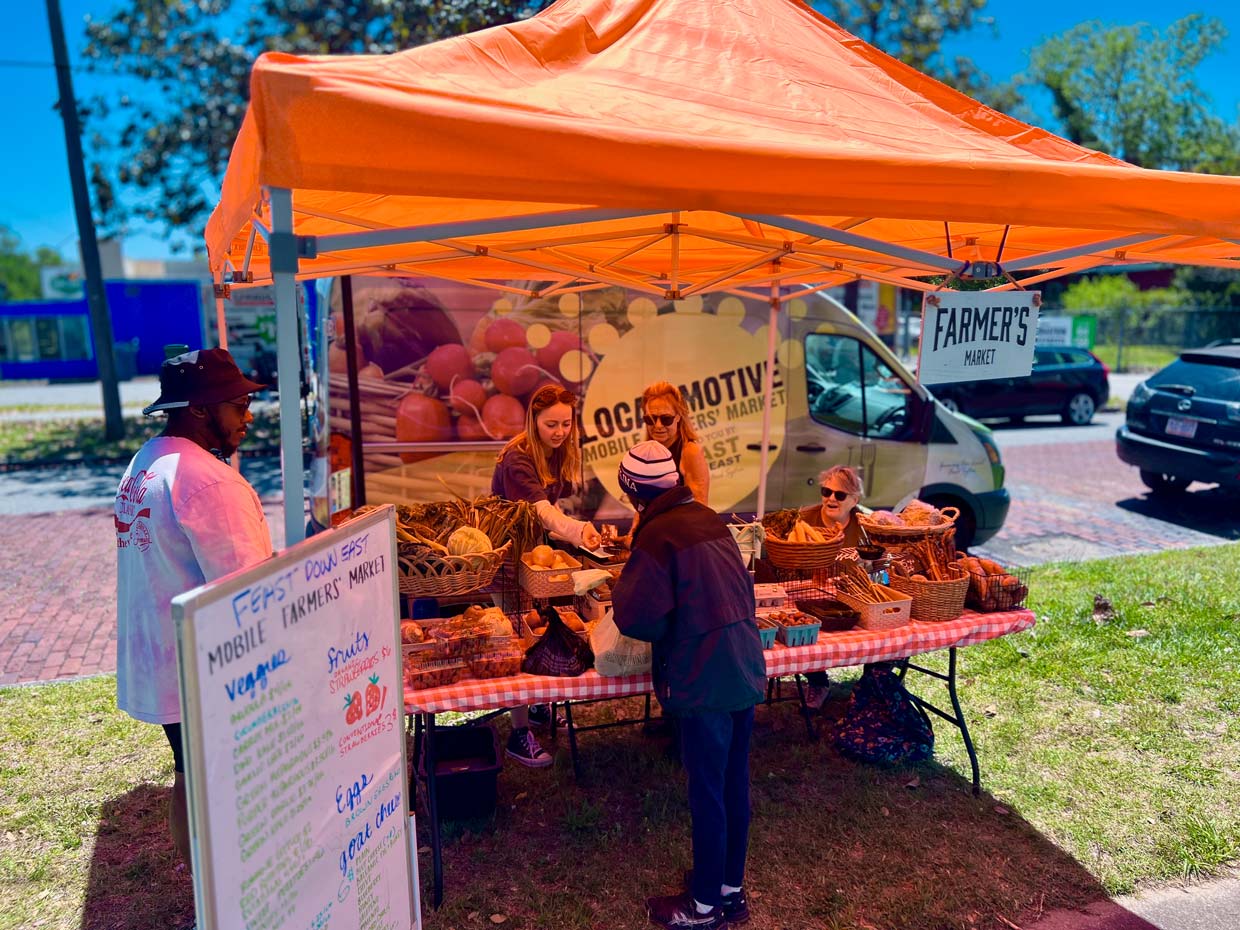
x=417, y=758
x=572, y=739
x=432, y=805
x=956, y=718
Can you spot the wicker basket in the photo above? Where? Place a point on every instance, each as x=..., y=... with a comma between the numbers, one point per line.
x=450, y=575
x=1000, y=594
x=894, y=535
x=536, y=582
x=802, y=556
x=887, y=615
x=935, y=600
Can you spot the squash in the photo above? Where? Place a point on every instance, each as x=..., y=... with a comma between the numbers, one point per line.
x=468, y=539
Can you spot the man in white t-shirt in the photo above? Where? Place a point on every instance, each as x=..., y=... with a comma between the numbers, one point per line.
x=183, y=518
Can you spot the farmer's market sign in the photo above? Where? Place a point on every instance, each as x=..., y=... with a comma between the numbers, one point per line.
x=977, y=335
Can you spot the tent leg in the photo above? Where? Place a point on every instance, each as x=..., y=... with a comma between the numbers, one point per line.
x=288, y=360
x=768, y=389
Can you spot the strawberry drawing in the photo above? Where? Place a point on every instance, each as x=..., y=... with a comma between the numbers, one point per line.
x=374, y=698
x=353, y=707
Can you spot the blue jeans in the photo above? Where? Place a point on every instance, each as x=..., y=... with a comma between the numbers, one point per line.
x=714, y=749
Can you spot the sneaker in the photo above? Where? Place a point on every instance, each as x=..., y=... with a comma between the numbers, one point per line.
x=540, y=716
x=735, y=905
x=523, y=746
x=816, y=696
x=678, y=912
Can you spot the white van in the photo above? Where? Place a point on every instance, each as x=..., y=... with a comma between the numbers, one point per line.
x=841, y=396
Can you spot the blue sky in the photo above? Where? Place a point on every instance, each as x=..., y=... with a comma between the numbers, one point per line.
x=35, y=199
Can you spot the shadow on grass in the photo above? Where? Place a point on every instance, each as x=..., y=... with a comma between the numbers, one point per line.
x=135, y=882
x=833, y=844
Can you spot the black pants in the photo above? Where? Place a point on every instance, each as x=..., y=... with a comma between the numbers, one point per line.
x=714, y=749
x=817, y=679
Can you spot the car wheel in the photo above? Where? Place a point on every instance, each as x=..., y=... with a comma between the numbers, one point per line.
x=1079, y=410
x=1164, y=484
x=950, y=404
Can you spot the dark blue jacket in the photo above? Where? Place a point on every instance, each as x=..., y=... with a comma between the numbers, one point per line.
x=685, y=590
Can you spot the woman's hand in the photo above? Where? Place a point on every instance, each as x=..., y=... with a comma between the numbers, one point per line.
x=590, y=537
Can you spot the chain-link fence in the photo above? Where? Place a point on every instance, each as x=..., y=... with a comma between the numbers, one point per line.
x=1148, y=339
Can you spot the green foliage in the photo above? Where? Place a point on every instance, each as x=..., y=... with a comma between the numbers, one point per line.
x=167, y=143
x=19, y=271
x=1130, y=91
x=1210, y=287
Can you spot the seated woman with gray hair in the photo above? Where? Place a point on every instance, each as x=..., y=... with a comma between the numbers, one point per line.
x=840, y=487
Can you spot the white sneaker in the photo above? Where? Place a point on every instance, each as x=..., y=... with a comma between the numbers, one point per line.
x=523, y=746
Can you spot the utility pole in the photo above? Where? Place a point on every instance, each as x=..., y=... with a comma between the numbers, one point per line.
x=96, y=299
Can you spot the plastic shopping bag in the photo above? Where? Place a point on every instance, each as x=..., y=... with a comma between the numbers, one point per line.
x=616, y=654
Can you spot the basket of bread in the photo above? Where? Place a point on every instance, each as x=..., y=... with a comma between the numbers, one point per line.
x=926, y=570
x=547, y=572
x=793, y=544
x=991, y=586
x=918, y=520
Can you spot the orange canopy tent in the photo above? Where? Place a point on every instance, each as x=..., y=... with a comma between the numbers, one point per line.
x=672, y=147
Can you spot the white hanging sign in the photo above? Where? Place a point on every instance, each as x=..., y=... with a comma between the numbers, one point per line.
x=977, y=335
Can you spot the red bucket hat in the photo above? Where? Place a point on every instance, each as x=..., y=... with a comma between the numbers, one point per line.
x=204, y=376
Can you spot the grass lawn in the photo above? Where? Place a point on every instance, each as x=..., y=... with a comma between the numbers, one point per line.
x=1138, y=357
x=1110, y=757
x=71, y=439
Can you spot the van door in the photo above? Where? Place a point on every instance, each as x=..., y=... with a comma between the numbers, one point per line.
x=862, y=413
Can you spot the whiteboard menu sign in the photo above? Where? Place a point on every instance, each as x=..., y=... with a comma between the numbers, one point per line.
x=977, y=335
x=291, y=698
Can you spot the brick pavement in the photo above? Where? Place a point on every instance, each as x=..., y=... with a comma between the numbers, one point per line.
x=1076, y=501
x=58, y=594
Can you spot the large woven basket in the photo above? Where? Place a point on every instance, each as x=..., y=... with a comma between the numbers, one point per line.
x=935, y=600
x=450, y=575
x=802, y=556
x=894, y=535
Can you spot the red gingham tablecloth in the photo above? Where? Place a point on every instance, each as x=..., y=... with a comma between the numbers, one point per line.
x=851, y=647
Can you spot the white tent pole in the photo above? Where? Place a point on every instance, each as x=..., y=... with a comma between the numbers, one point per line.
x=768, y=391
x=288, y=362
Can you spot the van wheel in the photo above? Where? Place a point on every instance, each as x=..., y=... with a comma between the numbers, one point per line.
x=950, y=404
x=966, y=523
x=1079, y=410
x=1164, y=485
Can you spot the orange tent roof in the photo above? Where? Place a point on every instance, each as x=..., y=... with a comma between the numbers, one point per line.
x=680, y=145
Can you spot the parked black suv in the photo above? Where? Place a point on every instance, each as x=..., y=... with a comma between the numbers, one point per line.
x=1184, y=422
x=1065, y=380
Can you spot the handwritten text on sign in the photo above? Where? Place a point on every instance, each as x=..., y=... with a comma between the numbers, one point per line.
x=977, y=335
x=299, y=777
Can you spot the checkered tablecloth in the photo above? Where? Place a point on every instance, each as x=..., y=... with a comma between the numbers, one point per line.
x=851, y=647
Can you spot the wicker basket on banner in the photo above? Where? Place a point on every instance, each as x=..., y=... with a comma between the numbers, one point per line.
x=885, y=535
x=450, y=575
x=935, y=600
x=795, y=556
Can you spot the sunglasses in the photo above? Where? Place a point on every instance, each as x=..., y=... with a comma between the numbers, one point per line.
x=663, y=419
x=242, y=403
x=550, y=396
x=839, y=495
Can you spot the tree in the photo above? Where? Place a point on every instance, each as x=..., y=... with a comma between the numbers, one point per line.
x=19, y=271
x=166, y=143
x=1129, y=91
x=913, y=31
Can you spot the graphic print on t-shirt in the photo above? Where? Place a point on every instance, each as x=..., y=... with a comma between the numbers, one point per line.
x=131, y=526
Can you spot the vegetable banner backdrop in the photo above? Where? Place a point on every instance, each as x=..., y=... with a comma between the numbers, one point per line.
x=442, y=362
